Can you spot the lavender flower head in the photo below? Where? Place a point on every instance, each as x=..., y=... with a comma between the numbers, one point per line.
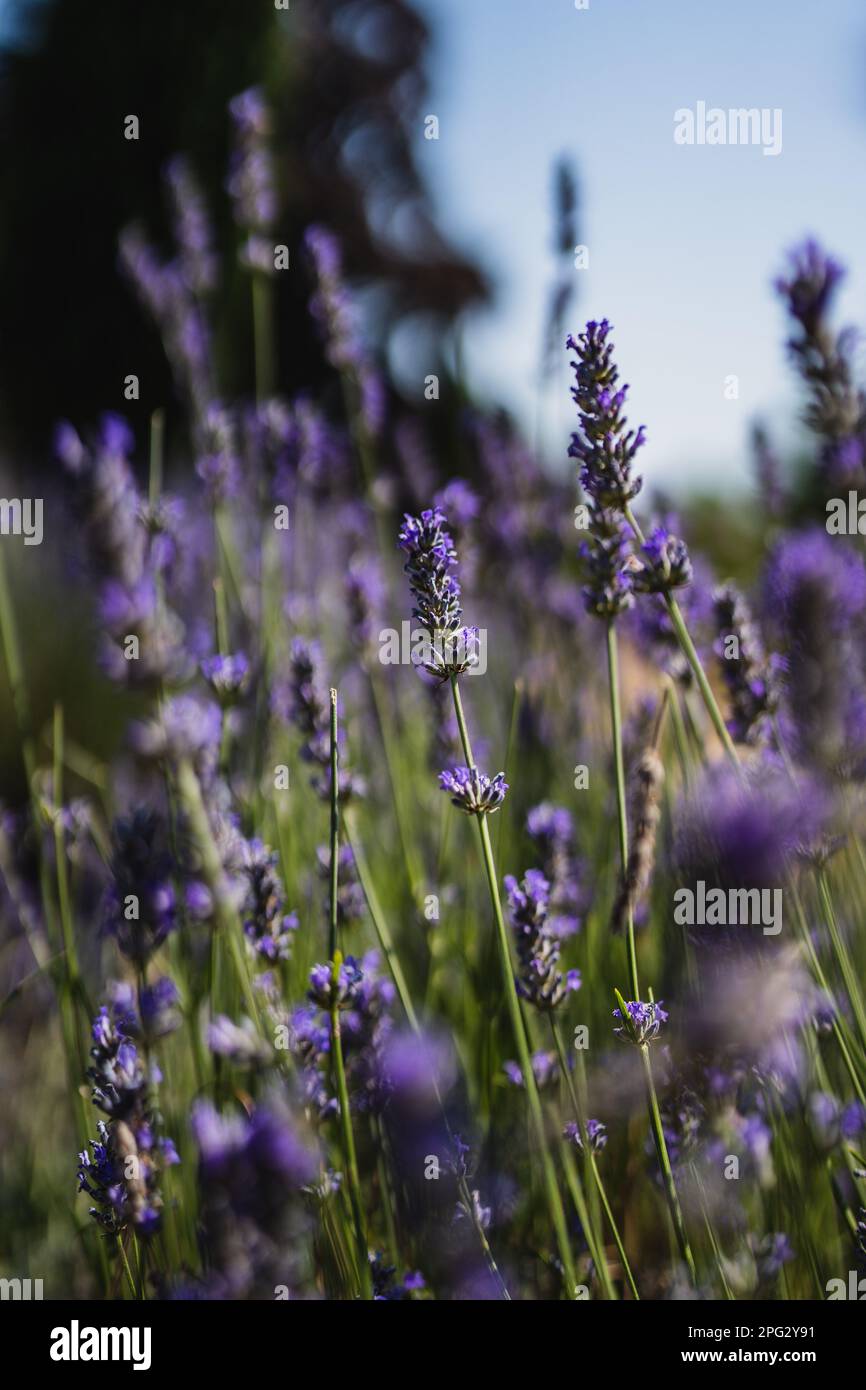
x=251, y=179
x=473, y=791
x=431, y=561
x=301, y=699
x=596, y=1133
x=228, y=676
x=331, y=984
x=540, y=980
x=268, y=928
x=753, y=680
x=643, y=1021
x=605, y=448
x=664, y=563
x=809, y=284
x=121, y=1169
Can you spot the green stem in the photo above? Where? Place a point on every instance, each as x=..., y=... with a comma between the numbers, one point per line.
x=622, y=817
x=665, y=1164
x=126, y=1269
x=74, y=983
x=15, y=676
x=335, y=831
x=227, y=920
x=363, y=1254
x=843, y=958
x=554, y=1200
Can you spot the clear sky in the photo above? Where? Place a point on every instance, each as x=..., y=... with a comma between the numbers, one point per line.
x=684, y=241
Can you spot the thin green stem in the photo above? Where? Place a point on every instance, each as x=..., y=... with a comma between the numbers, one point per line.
x=363, y=1254
x=665, y=1164
x=622, y=814
x=843, y=958
x=227, y=921
x=126, y=1269
x=335, y=831
x=15, y=675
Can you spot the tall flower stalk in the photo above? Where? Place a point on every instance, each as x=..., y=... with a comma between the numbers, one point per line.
x=606, y=450
x=430, y=565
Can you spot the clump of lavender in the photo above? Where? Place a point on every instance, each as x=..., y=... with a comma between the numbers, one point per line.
x=742, y=834
x=752, y=679
x=653, y=631
x=240, y=1044
x=251, y=183
x=540, y=981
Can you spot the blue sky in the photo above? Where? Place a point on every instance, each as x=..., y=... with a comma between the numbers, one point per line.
x=683, y=241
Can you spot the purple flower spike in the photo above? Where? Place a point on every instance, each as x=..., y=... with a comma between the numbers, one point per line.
x=431, y=560
x=604, y=447
x=538, y=948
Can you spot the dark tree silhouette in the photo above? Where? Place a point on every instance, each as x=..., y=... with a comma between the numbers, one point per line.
x=345, y=79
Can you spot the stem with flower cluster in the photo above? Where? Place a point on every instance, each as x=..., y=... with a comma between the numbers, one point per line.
x=554, y=1200
x=690, y=652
